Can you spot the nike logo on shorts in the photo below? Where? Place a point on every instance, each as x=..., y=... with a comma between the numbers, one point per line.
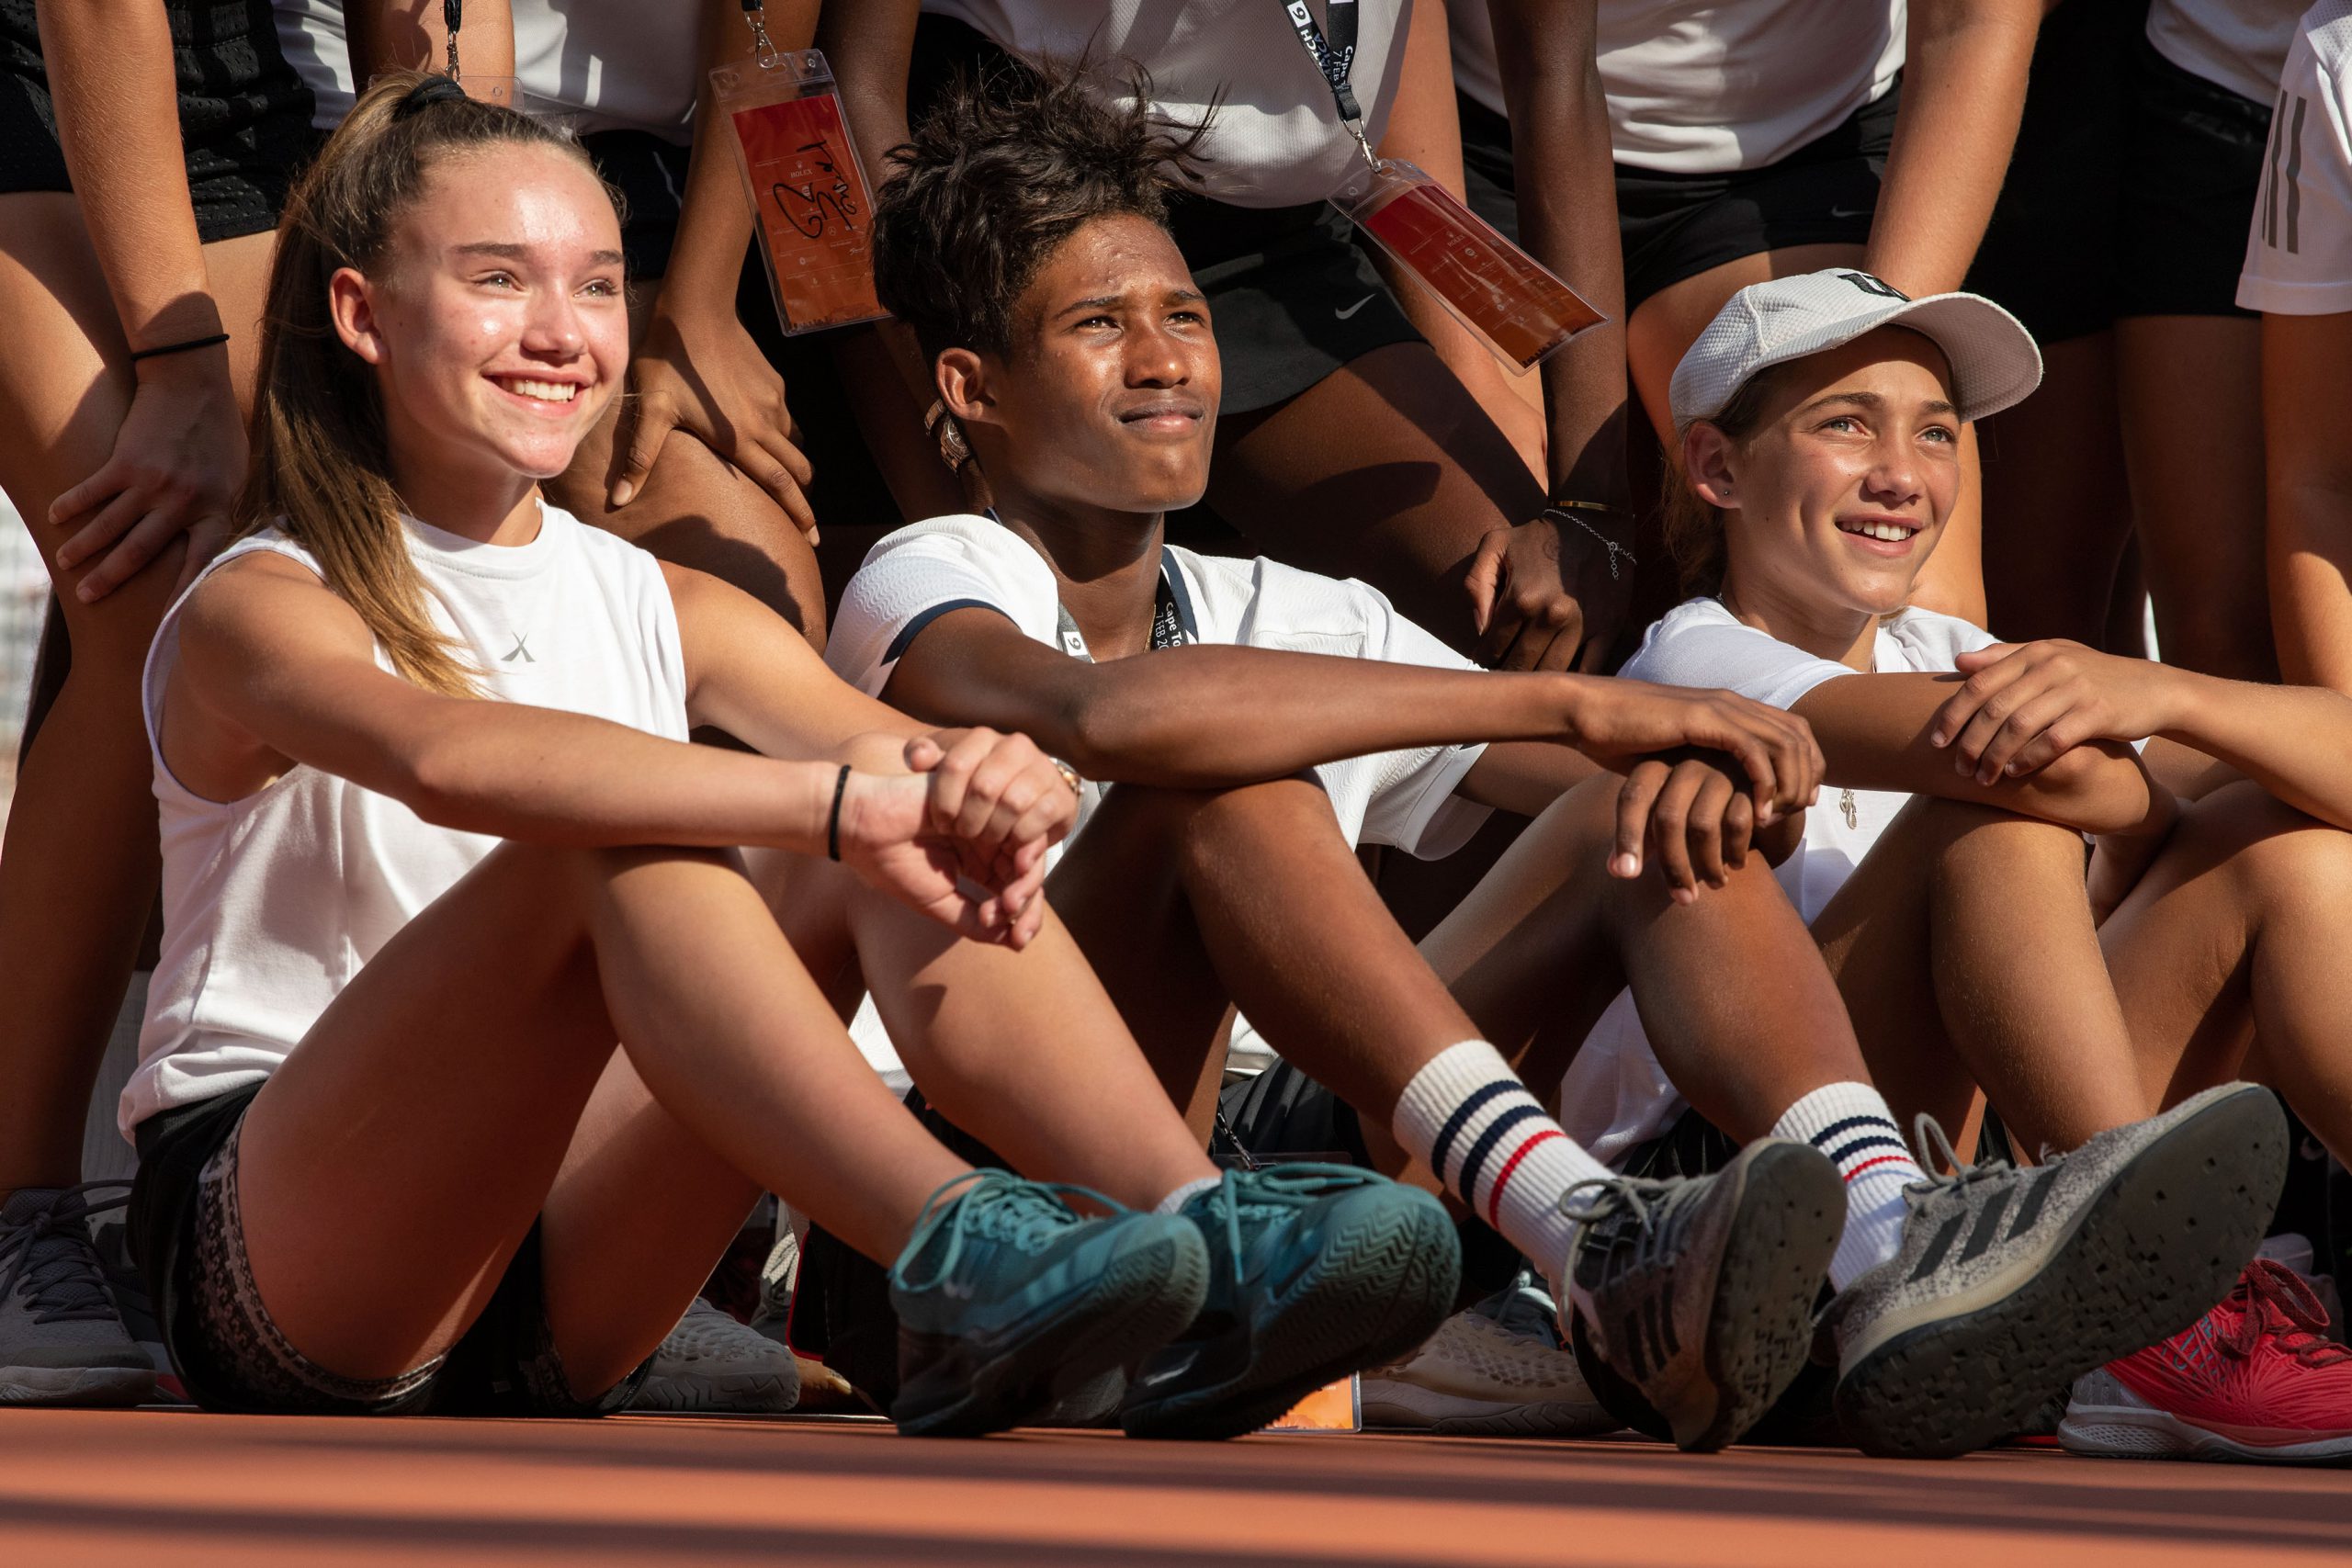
x=1351, y=310
x=1849, y=212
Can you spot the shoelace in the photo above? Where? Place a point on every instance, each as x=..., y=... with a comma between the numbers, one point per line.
x=62, y=1283
x=995, y=1204
x=1935, y=1148
x=1291, y=1185
x=2300, y=1327
x=1659, y=1215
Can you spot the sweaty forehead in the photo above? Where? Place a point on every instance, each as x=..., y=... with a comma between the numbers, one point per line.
x=1105, y=257
x=537, y=196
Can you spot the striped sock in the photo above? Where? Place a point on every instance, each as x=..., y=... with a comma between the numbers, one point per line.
x=1850, y=1124
x=1468, y=1115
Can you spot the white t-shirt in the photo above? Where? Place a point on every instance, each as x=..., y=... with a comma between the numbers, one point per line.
x=2299, y=251
x=1616, y=1095
x=273, y=902
x=597, y=64
x=2238, y=44
x=1709, y=86
x=1278, y=140
x=1402, y=798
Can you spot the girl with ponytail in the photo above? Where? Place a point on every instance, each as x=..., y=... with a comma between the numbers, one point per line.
x=475, y=1034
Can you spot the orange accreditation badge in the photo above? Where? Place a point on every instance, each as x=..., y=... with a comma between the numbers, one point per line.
x=801, y=174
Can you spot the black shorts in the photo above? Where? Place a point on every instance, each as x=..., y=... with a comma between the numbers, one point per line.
x=1673, y=227
x=650, y=175
x=1292, y=291
x=505, y=1365
x=2189, y=185
x=244, y=115
x=2049, y=255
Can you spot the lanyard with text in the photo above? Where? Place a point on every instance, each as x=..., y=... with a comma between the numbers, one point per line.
x=1334, y=54
x=1170, y=627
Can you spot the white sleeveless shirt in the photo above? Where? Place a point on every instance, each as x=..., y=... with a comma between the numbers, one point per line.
x=273, y=902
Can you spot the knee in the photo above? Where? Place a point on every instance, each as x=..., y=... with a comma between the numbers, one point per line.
x=1219, y=833
x=2278, y=854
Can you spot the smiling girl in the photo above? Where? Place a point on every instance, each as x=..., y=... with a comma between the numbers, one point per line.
x=1943, y=871
x=392, y=1158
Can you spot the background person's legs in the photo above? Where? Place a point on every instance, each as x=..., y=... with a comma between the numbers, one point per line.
x=79, y=868
x=1387, y=469
x=2190, y=394
x=696, y=510
x=2058, y=505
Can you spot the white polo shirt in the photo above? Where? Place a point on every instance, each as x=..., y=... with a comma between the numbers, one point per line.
x=2298, y=249
x=1616, y=1095
x=1709, y=87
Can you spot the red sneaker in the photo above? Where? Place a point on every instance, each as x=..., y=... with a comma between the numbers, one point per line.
x=2256, y=1378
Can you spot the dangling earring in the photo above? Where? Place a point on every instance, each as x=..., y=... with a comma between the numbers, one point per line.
x=953, y=450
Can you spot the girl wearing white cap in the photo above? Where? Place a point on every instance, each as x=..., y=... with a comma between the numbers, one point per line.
x=1819, y=419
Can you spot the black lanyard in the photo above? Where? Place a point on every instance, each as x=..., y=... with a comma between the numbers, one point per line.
x=1170, y=626
x=1334, y=55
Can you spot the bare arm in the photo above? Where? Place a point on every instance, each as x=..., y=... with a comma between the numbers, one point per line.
x=180, y=453
x=1877, y=732
x=1568, y=211
x=2306, y=411
x=1963, y=91
x=1425, y=128
x=1206, y=716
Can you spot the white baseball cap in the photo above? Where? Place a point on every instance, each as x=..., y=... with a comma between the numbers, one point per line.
x=1994, y=361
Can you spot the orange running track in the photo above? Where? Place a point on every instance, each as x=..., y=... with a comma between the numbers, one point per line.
x=162, y=1487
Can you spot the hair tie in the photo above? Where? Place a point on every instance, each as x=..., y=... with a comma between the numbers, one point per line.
x=431, y=90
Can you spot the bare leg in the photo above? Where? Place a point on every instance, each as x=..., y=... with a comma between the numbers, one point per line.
x=1732, y=992
x=698, y=510
x=78, y=870
x=1385, y=469
x=1665, y=325
x=1022, y=1050
x=2234, y=937
x=1965, y=948
x=1251, y=897
x=451, y=1094
x=2191, y=397
x=2057, y=503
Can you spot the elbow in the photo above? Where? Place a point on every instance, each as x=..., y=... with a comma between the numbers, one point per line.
x=432, y=782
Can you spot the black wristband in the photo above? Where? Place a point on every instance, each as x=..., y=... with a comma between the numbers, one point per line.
x=834, y=823
x=194, y=343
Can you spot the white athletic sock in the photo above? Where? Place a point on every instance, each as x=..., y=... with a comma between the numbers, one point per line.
x=1174, y=1202
x=1468, y=1115
x=1850, y=1124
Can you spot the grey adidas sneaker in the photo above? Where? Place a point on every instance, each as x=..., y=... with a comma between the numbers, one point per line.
x=1698, y=1292
x=710, y=1363
x=1496, y=1369
x=2012, y=1283
x=62, y=1339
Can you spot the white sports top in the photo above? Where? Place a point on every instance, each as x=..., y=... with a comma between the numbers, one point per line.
x=1278, y=140
x=2298, y=248
x=1709, y=86
x=597, y=64
x=1617, y=1095
x=2240, y=44
x=274, y=901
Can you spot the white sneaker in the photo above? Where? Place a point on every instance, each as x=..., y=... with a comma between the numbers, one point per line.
x=712, y=1363
x=1496, y=1369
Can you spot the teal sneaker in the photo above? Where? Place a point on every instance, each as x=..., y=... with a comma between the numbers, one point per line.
x=1316, y=1271
x=1008, y=1301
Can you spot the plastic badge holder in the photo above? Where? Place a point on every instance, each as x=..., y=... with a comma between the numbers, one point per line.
x=1511, y=301
x=801, y=174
